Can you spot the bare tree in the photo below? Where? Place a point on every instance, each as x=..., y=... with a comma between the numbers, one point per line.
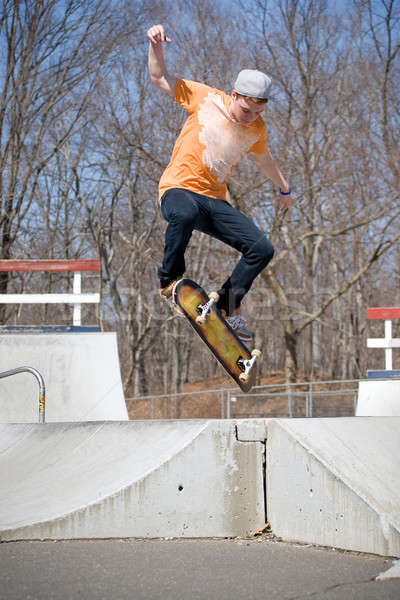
x=299, y=39
x=53, y=52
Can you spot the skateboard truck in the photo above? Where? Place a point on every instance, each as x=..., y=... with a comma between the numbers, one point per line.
x=204, y=309
x=208, y=321
x=247, y=365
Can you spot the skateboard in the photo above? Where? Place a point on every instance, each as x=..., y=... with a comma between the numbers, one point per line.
x=205, y=318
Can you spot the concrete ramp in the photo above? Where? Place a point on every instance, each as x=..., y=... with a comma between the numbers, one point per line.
x=332, y=482
x=336, y=482
x=377, y=398
x=81, y=373
x=128, y=479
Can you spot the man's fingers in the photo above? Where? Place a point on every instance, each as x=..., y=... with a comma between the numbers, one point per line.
x=156, y=34
x=285, y=204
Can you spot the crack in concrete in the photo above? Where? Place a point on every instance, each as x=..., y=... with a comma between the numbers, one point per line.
x=310, y=595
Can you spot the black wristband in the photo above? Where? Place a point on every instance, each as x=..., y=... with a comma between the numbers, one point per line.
x=286, y=193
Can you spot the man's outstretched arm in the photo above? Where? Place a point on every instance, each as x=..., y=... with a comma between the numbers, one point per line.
x=267, y=165
x=158, y=72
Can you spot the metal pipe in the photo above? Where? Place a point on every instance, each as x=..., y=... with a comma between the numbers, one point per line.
x=39, y=379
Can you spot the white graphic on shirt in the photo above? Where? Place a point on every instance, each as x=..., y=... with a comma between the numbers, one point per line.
x=225, y=141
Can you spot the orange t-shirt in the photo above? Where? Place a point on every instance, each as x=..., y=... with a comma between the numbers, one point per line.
x=210, y=143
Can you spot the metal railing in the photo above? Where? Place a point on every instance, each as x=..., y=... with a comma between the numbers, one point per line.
x=305, y=399
x=68, y=266
x=165, y=397
x=39, y=379
x=292, y=393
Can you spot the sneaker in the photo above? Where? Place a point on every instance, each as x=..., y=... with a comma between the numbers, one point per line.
x=238, y=324
x=166, y=294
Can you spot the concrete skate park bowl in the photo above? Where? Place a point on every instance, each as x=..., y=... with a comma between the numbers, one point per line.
x=88, y=472
x=80, y=370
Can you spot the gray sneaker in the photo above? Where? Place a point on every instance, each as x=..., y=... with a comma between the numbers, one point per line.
x=238, y=324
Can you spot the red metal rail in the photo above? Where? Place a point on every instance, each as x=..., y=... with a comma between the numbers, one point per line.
x=383, y=313
x=50, y=265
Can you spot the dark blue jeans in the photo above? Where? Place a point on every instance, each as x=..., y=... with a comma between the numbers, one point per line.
x=187, y=211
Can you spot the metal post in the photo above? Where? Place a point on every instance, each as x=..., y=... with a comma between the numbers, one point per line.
x=222, y=404
x=308, y=397
x=77, y=307
x=39, y=379
x=290, y=403
x=388, y=349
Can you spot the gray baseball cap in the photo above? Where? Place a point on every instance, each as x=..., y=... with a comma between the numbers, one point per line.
x=253, y=83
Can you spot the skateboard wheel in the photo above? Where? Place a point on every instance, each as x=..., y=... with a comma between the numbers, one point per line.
x=214, y=296
x=200, y=320
x=243, y=377
x=256, y=353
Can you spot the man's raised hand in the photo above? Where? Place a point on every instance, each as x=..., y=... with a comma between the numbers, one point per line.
x=156, y=34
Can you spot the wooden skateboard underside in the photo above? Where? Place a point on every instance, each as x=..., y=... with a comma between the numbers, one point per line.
x=215, y=332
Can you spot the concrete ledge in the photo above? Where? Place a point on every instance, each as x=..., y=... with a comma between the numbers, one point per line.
x=332, y=482
x=335, y=482
x=81, y=374
x=378, y=398
x=129, y=479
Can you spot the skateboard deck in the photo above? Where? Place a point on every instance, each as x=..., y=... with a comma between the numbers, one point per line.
x=205, y=318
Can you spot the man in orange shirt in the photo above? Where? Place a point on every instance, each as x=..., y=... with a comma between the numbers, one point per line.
x=219, y=131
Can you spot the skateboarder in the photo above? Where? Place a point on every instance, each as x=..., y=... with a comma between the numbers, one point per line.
x=219, y=131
